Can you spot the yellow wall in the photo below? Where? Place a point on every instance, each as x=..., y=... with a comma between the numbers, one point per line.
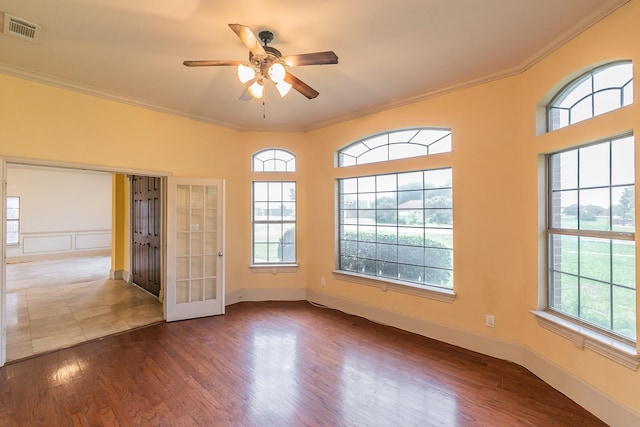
x=496, y=199
x=47, y=123
x=120, y=237
x=613, y=38
x=495, y=176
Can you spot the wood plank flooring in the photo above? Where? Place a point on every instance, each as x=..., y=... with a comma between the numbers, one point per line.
x=277, y=364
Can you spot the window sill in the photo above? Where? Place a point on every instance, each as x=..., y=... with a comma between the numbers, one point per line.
x=274, y=268
x=609, y=347
x=431, y=292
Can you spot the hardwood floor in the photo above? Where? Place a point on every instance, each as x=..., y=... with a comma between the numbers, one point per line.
x=277, y=364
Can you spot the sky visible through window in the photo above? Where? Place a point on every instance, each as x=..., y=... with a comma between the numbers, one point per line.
x=400, y=144
x=597, y=92
x=591, y=172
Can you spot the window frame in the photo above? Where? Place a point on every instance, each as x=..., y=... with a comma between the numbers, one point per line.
x=12, y=220
x=281, y=222
x=583, y=336
x=271, y=157
x=430, y=290
x=280, y=156
x=603, y=235
x=341, y=154
x=566, y=91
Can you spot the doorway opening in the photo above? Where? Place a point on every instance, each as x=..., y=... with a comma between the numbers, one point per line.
x=62, y=285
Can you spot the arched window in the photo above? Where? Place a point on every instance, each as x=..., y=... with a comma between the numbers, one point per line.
x=274, y=210
x=274, y=160
x=397, y=227
x=590, y=191
x=596, y=92
x=399, y=144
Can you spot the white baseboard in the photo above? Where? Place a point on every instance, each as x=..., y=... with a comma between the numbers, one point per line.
x=590, y=398
x=265, y=294
x=120, y=275
x=59, y=255
x=593, y=400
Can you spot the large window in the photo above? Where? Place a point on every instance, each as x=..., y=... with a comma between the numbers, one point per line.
x=13, y=220
x=598, y=91
x=591, y=234
x=398, y=226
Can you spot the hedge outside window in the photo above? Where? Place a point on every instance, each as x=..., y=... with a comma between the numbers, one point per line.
x=274, y=222
x=398, y=226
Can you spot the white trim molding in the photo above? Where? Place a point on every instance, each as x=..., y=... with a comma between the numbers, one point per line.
x=265, y=294
x=426, y=291
x=274, y=268
x=120, y=275
x=582, y=338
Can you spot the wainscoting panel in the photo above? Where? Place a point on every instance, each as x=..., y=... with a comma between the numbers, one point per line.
x=54, y=245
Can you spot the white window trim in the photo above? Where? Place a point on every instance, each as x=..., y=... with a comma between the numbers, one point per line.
x=583, y=337
x=253, y=223
x=569, y=88
x=274, y=268
x=385, y=284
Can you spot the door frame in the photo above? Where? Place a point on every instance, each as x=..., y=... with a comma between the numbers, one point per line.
x=3, y=270
x=4, y=161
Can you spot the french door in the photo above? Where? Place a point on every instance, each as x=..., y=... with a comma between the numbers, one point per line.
x=195, y=248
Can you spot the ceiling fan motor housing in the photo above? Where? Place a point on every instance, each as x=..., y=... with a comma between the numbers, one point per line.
x=262, y=63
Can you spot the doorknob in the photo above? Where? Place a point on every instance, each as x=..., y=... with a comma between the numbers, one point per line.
x=220, y=253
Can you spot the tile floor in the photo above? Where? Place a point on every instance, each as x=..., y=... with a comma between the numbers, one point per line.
x=58, y=315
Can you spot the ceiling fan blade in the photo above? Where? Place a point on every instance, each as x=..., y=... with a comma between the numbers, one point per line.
x=301, y=86
x=317, y=58
x=248, y=38
x=245, y=95
x=210, y=63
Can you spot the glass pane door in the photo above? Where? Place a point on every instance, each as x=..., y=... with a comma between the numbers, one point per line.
x=195, y=248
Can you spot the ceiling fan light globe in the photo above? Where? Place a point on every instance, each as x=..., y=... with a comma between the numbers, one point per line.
x=256, y=89
x=245, y=73
x=277, y=72
x=283, y=87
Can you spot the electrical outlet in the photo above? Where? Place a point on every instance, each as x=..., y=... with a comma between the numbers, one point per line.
x=323, y=283
x=490, y=320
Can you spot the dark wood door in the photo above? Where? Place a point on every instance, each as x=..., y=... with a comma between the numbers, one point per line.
x=146, y=225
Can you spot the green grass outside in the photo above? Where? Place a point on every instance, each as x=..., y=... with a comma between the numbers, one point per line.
x=596, y=261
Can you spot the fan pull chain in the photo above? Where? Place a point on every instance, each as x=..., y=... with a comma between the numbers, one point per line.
x=264, y=105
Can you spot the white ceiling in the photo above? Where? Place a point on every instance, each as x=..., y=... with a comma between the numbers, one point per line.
x=390, y=52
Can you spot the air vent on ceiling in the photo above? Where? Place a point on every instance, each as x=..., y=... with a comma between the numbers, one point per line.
x=20, y=28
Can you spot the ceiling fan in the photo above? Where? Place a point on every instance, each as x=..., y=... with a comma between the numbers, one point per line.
x=267, y=63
